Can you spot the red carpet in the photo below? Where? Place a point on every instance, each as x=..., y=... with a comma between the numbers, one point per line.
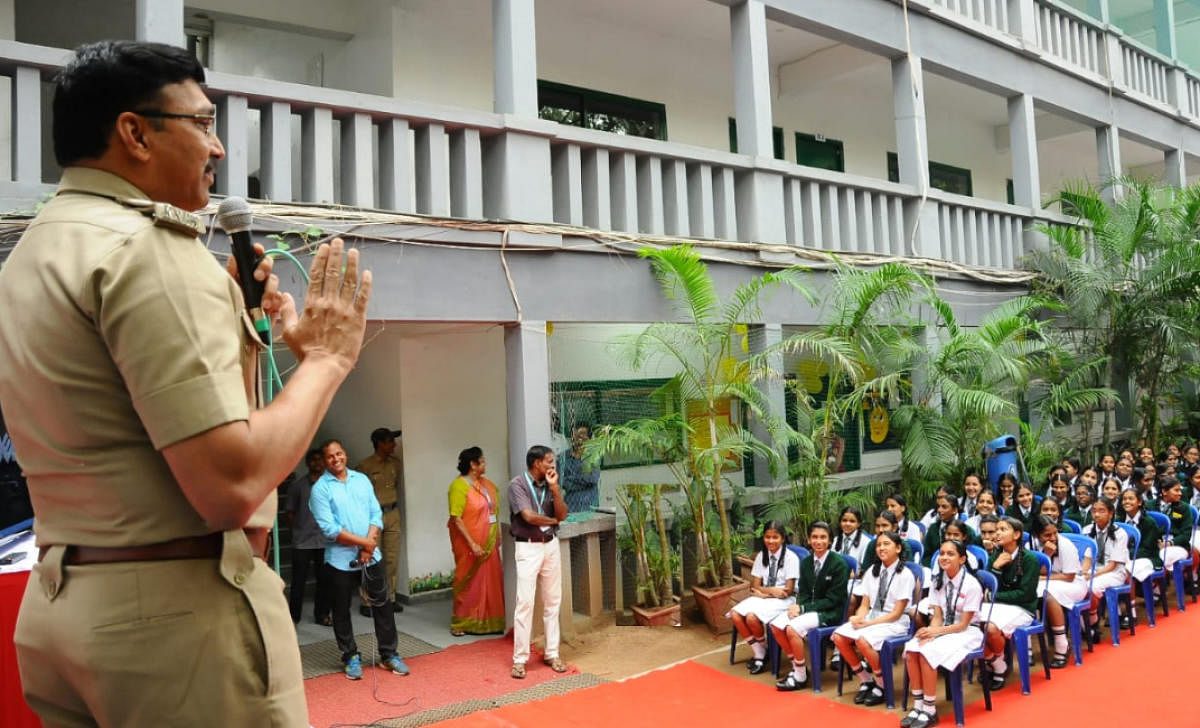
x=460, y=672
x=1152, y=665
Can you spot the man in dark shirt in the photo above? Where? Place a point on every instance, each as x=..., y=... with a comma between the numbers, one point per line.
x=308, y=543
x=537, y=507
x=580, y=480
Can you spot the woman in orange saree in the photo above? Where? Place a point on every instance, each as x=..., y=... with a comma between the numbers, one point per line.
x=475, y=540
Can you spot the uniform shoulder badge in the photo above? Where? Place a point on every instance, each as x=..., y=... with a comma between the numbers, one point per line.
x=167, y=216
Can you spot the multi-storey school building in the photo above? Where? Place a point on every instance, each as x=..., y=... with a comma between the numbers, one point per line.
x=925, y=130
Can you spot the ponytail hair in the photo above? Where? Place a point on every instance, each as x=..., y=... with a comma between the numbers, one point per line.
x=1019, y=528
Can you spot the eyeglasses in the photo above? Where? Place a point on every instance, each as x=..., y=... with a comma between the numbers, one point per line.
x=204, y=122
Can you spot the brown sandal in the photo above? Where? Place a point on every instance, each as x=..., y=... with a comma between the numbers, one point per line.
x=457, y=633
x=556, y=664
x=518, y=670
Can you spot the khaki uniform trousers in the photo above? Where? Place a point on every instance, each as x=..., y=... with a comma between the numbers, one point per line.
x=189, y=642
x=390, y=546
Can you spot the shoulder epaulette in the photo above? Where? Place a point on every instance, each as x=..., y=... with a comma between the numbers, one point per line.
x=166, y=215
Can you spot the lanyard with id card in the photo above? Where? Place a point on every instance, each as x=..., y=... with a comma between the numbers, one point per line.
x=537, y=501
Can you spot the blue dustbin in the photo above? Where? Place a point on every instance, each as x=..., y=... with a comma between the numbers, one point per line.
x=1000, y=456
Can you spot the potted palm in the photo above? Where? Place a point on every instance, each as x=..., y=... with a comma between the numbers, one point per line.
x=699, y=439
x=656, y=562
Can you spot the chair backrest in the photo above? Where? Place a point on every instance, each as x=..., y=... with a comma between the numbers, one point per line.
x=1044, y=563
x=1135, y=537
x=921, y=526
x=999, y=510
x=979, y=553
x=1163, y=521
x=988, y=581
x=852, y=563
x=918, y=573
x=800, y=551
x=1195, y=519
x=1085, y=545
x=916, y=547
x=1075, y=526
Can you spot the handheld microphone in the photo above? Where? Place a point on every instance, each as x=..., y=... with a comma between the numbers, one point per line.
x=235, y=218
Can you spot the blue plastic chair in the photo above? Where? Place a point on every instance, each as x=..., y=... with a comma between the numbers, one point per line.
x=1159, y=575
x=954, y=678
x=1164, y=522
x=923, y=528
x=1074, y=526
x=818, y=636
x=1075, y=612
x=980, y=555
x=1115, y=594
x=1021, y=635
x=894, y=646
x=916, y=548
x=772, y=648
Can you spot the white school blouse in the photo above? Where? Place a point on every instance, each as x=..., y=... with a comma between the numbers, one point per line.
x=900, y=586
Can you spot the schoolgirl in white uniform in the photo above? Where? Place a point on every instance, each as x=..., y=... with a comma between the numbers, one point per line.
x=972, y=487
x=955, y=530
x=956, y=597
x=772, y=590
x=985, y=505
x=1112, y=557
x=906, y=528
x=1068, y=582
x=887, y=590
x=851, y=541
x=931, y=516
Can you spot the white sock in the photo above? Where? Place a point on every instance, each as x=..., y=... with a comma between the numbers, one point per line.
x=799, y=670
x=928, y=705
x=998, y=664
x=865, y=677
x=1060, y=641
x=759, y=648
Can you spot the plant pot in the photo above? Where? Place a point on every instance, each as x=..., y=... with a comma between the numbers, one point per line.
x=658, y=616
x=715, y=603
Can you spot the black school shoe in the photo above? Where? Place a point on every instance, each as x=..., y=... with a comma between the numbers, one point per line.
x=790, y=684
x=756, y=666
x=863, y=691
x=874, y=696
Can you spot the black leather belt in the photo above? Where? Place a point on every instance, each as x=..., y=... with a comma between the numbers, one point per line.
x=207, y=546
x=545, y=538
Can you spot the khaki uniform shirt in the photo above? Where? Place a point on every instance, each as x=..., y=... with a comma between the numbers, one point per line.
x=386, y=475
x=120, y=335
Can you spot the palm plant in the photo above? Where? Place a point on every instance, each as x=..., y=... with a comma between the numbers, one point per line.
x=1126, y=279
x=710, y=373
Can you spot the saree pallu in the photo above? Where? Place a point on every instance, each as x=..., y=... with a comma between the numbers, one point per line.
x=478, y=582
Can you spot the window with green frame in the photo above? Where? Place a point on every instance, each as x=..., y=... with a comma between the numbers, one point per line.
x=612, y=402
x=776, y=138
x=814, y=150
x=603, y=111
x=945, y=177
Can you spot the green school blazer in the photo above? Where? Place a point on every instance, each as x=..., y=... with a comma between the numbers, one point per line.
x=825, y=592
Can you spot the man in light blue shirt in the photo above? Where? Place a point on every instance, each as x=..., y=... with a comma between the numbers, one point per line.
x=344, y=506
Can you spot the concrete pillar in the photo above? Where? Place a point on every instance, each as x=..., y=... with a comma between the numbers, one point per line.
x=528, y=376
x=763, y=337
x=517, y=181
x=751, y=78
x=922, y=237
x=27, y=125
x=1022, y=134
x=358, y=179
x=1176, y=167
x=316, y=155
x=908, y=100
x=1164, y=27
x=160, y=21
x=275, y=167
x=395, y=166
x=233, y=126
x=514, y=57
x=1108, y=152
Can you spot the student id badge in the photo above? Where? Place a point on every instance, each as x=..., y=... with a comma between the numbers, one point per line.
x=491, y=518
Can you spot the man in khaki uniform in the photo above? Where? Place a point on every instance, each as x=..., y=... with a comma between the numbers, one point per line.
x=386, y=472
x=129, y=380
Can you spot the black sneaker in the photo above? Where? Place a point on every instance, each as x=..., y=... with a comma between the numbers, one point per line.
x=911, y=719
x=756, y=666
x=926, y=720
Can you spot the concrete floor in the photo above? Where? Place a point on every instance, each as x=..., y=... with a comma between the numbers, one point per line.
x=428, y=621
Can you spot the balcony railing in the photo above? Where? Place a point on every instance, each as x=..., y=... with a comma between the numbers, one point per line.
x=992, y=13
x=599, y=180
x=1145, y=71
x=1069, y=36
